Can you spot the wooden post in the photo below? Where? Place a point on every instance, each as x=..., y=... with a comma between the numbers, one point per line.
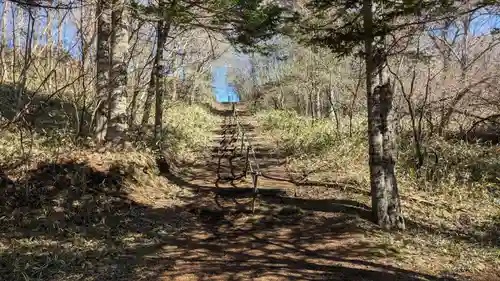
x=240, y=157
x=231, y=166
x=255, y=177
x=242, y=142
x=246, y=162
x=218, y=166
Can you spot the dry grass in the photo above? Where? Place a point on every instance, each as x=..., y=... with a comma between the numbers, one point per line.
x=70, y=219
x=71, y=213
x=189, y=131
x=452, y=219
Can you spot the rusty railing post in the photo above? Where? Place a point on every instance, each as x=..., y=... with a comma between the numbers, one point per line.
x=246, y=162
x=255, y=177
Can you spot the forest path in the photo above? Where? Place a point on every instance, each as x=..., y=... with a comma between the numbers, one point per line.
x=94, y=216
x=321, y=235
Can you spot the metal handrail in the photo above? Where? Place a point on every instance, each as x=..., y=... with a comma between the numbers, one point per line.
x=246, y=149
x=247, y=142
x=255, y=173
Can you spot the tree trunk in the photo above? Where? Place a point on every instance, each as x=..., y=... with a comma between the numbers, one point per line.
x=464, y=64
x=148, y=103
x=310, y=102
x=84, y=47
x=318, y=103
x=103, y=56
x=134, y=87
x=117, y=124
x=60, y=47
x=192, y=91
x=385, y=197
x=333, y=111
x=392, y=217
x=17, y=31
x=173, y=83
x=50, y=51
x=23, y=76
x=3, y=42
x=162, y=32
x=282, y=98
x=446, y=53
x=36, y=34
x=354, y=98
x=306, y=104
x=133, y=102
x=155, y=87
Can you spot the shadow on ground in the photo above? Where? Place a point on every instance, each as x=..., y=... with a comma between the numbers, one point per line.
x=68, y=221
x=275, y=183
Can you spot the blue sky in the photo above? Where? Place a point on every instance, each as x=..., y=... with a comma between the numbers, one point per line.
x=69, y=31
x=223, y=91
x=484, y=23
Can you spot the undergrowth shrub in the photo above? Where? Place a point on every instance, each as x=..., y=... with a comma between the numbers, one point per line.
x=299, y=135
x=451, y=198
x=451, y=165
x=22, y=146
x=188, y=130
x=187, y=133
x=314, y=146
x=317, y=146
x=137, y=167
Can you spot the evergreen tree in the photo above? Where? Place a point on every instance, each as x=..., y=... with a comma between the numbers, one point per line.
x=364, y=26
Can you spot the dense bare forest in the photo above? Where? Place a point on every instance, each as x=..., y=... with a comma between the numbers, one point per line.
x=365, y=145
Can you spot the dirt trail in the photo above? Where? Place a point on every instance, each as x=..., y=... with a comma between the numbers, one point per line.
x=313, y=237
x=261, y=158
